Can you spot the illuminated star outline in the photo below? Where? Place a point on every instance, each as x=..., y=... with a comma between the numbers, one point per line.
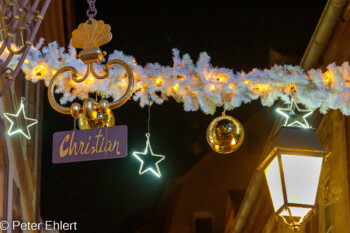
x=137, y=155
x=10, y=117
x=289, y=111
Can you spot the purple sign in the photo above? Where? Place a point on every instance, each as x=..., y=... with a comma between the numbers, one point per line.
x=90, y=144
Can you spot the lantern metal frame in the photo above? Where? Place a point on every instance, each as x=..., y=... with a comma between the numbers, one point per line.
x=289, y=148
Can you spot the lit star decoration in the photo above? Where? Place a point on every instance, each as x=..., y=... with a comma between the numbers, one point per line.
x=146, y=156
x=293, y=116
x=12, y=118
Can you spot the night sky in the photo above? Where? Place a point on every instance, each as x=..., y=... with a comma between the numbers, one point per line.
x=236, y=34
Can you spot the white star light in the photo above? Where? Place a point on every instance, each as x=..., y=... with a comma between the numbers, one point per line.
x=20, y=114
x=292, y=118
x=148, y=154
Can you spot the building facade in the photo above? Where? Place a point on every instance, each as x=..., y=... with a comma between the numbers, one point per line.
x=20, y=158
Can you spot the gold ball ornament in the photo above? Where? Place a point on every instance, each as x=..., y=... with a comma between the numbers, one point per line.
x=75, y=110
x=104, y=106
x=225, y=134
x=89, y=108
x=99, y=121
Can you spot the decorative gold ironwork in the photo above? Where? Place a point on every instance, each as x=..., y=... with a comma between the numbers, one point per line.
x=89, y=36
x=15, y=19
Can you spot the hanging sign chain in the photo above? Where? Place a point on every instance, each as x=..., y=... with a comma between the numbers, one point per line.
x=75, y=123
x=92, y=11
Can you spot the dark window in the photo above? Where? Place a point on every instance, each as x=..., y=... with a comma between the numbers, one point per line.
x=203, y=225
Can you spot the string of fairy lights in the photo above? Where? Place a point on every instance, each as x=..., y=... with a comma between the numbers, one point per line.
x=197, y=85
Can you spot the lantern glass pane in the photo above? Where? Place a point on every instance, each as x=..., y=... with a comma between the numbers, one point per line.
x=296, y=211
x=301, y=176
x=273, y=177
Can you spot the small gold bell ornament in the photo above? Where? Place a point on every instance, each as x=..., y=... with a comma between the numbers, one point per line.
x=225, y=134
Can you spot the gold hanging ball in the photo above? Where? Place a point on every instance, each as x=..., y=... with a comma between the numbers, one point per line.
x=99, y=121
x=104, y=106
x=225, y=134
x=75, y=110
x=89, y=109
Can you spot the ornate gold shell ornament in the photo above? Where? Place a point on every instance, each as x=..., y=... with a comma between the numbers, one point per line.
x=89, y=36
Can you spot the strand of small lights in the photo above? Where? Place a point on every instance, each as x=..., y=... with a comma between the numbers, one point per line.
x=197, y=86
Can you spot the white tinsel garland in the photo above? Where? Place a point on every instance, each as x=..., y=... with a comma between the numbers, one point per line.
x=197, y=86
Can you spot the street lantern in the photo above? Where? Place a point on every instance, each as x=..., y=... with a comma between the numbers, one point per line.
x=292, y=170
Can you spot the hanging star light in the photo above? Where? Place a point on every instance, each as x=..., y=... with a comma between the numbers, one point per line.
x=293, y=115
x=149, y=160
x=15, y=119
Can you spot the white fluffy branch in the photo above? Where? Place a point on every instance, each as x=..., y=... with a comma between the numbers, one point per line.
x=197, y=86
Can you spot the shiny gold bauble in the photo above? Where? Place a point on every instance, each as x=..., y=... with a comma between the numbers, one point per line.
x=75, y=110
x=225, y=134
x=99, y=121
x=89, y=107
x=104, y=106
